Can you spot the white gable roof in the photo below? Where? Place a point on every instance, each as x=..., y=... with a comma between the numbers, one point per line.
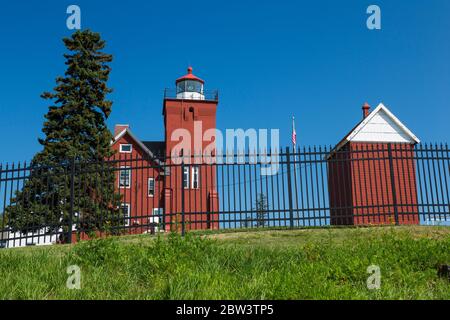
x=382, y=126
x=379, y=126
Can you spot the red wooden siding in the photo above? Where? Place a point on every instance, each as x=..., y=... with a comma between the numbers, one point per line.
x=339, y=187
x=362, y=185
x=136, y=196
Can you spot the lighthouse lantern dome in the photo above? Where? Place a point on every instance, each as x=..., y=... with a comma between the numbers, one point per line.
x=190, y=87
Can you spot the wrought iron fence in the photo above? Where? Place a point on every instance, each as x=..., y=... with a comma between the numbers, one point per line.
x=360, y=184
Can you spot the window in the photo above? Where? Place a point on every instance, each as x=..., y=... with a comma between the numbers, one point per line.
x=126, y=148
x=151, y=187
x=124, y=177
x=156, y=218
x=195, y=176
x=157, y=212
x=189, y=86
x=125, y=210
x=191, y=179
x=186, y=178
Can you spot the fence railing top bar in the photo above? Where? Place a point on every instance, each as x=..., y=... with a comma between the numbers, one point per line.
x=19, y=167
x=420, y=151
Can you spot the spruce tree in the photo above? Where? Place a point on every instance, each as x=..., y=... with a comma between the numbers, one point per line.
x=261, y=209
x=76, y=138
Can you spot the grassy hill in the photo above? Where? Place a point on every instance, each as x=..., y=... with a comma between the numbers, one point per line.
x=273, y=264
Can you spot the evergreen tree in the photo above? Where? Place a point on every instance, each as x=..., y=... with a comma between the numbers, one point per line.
x=261, y=209
x=76, y=138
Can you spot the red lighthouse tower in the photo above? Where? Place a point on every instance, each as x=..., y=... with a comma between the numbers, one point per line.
x=190, y=193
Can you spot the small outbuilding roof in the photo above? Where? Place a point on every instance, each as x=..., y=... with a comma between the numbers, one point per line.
x=381, y=126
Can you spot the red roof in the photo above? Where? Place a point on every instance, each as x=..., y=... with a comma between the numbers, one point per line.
x=189, y=76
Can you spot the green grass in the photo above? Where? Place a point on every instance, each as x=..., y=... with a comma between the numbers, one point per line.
x=275, y=264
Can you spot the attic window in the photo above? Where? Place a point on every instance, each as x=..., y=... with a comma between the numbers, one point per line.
x=126, y=148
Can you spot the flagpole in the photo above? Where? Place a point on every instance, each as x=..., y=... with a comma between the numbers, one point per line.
x=294, y=133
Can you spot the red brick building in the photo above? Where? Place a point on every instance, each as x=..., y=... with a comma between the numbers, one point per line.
x=371, y=172
x=154, y=186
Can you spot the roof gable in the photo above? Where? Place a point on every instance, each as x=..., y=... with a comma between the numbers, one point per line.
x=379, y=126
x=382, y=126
x=138, y=142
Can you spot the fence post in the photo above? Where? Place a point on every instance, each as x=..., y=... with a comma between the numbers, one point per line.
x=72, y=195
x=394, y=194
x=166, y=208
x=182, y=199
x=291, y=213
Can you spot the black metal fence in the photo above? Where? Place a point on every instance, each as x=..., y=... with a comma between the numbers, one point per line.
x=360, y=184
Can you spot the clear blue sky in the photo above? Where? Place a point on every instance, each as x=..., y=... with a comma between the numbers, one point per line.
x=269, y=59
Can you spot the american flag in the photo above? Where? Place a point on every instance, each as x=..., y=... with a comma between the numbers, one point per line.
x=294, y=134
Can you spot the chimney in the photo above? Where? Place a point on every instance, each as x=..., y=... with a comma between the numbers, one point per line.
x=118, y=128
x=365, y=109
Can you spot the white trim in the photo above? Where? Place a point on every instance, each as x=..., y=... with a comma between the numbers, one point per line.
x=129, y=180
x=125, y=144
x=390, y=115
x=118, y=136
x=148, y=187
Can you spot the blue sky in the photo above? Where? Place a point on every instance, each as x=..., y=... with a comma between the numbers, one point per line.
x=270, y=60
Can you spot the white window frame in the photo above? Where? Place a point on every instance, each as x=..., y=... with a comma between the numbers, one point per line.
x=195, y=177
x=157, y=217
x=127, y=218
x=186, y=175
x=148, y=187
x=123, y=168
x=159, y=211
x=126, y=144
